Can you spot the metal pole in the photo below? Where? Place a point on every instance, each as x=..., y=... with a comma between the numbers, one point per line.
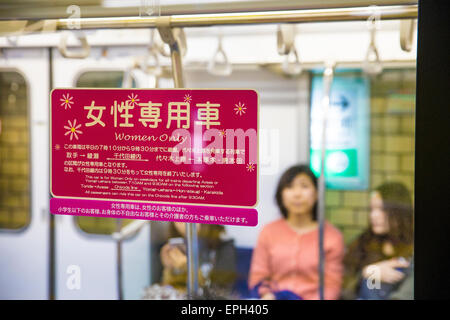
x=119, y=262
x=327, y=81
x=192, y=259
x=52, y=218
x=191, y=228
x=203, y=20
x=177, y=67
x=167, y=35
x=29, y=11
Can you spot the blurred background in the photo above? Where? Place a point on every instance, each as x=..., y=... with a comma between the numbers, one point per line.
x=373, y=97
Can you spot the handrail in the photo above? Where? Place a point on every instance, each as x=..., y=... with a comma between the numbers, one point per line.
x=203, y=20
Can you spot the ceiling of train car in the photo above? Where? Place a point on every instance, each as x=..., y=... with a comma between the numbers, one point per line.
x=52, y=9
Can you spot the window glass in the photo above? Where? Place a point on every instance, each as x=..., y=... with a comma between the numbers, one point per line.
x=377, y=223
x=392, y=113
x=14, y=152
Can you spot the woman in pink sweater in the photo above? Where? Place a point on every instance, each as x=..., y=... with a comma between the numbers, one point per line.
x=286, y=256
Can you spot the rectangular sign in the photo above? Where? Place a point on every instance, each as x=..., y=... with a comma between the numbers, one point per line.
x=177, y=146
x=348, y=127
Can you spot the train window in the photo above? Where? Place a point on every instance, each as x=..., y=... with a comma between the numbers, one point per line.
x=392, y=114
x=377, y=221
x=101, y=79
x=14, y=152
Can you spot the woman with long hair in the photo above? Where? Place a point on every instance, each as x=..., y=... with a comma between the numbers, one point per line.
x=377, y=261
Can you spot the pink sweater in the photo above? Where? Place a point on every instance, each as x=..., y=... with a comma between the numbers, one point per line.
x=291, y=260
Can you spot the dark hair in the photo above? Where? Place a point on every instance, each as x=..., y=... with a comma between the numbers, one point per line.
x=210, y=233
x=397, y=204
x=285, y=182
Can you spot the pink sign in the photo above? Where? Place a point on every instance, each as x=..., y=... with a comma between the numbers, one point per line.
x=155, y=211
x=177, y=146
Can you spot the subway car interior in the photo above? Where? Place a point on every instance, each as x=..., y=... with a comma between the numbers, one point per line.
x=359, y=55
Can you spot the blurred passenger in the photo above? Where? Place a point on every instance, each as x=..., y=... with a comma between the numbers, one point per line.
x=377, y=262
x=286, y=258
x=217, y=259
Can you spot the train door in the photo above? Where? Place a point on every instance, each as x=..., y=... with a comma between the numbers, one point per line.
x=84, y=245
x=24, y=184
